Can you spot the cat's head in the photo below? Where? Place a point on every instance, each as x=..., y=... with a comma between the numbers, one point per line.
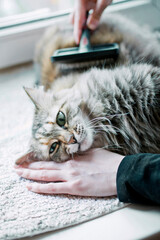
x=61, y=124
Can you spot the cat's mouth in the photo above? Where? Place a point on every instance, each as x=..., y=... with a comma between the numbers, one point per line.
x=80, y=142
x=78, y=146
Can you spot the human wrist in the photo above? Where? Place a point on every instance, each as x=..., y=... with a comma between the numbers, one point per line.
x=117, y=161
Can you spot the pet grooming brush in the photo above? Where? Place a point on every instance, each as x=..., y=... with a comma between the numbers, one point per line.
x=85, y=52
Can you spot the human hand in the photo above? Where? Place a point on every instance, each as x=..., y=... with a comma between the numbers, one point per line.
x=91, y=174
x=78, y=17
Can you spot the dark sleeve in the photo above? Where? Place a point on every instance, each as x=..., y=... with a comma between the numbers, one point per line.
x=138, y=179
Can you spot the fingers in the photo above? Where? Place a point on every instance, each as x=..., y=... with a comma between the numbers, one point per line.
x=50, y=188
x=79, y=20
x=78, y=17
x=42, y=175
x=41, y=165
x=94, y=18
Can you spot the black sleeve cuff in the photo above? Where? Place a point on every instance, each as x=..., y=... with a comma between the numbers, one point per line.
x=122, y=190
x=138, y=179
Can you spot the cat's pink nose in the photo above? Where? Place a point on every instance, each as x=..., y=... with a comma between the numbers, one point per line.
x=72, y=140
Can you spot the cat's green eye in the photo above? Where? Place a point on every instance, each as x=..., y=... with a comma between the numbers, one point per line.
x=61, y=119
x=54, y=147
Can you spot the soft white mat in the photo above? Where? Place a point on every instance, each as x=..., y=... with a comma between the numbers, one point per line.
x=23, y=213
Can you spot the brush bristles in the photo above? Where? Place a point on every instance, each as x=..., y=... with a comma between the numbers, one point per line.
x=85, y=65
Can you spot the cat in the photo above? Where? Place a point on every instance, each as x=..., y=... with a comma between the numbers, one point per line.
x=113, y=106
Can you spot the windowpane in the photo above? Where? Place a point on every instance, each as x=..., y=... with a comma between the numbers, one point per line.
x=14, y=7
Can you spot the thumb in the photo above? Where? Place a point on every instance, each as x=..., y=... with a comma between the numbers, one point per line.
x=94, y=18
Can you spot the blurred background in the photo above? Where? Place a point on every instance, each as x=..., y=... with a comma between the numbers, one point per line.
x=12, y=7
x=23, y=22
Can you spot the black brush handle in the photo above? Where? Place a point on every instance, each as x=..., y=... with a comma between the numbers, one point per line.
x=85, y=41
x=85, y=38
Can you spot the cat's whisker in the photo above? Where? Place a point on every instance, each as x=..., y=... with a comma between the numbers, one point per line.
x=99, y=118
x=118, y=114
x=80, y=110
x=91, y=126
x=106, y=127
x=115, y=105
x=92, y=110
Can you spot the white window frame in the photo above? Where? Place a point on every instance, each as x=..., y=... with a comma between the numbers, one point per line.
x=17, y=44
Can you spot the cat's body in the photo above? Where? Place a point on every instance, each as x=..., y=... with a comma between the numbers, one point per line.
x=115, y=108
x=137, y=45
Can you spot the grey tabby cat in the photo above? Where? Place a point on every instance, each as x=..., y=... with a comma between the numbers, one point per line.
x=115, y=107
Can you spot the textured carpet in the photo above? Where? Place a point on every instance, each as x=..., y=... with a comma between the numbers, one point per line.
x=23, y=213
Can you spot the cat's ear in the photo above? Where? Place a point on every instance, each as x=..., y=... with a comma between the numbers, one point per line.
x=28, y=157
x=38, y=96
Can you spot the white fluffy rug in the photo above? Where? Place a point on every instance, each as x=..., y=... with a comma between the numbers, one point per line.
x=23, y=213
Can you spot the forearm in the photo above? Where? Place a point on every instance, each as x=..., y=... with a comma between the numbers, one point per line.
x=138, y=179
